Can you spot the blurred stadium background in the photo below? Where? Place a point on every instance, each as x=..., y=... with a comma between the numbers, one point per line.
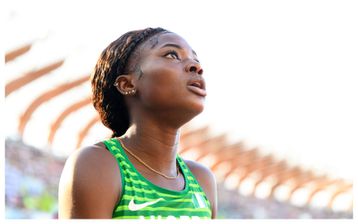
x=250, y=185
x=47, y=99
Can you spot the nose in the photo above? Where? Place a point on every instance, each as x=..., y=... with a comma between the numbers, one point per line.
x=194, y=66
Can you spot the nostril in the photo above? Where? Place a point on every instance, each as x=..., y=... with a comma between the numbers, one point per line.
x=192, y=69
x=200, y=72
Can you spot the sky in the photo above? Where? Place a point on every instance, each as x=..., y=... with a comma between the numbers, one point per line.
x=281, y=75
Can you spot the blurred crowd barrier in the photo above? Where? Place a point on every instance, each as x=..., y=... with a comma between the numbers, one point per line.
x=31, y=181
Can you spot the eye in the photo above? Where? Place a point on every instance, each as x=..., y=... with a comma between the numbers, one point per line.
x=172, y=54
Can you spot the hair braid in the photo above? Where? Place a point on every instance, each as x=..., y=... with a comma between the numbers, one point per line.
x=114, y=61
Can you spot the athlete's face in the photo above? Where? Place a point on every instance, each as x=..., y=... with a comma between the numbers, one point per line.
x=171, y=77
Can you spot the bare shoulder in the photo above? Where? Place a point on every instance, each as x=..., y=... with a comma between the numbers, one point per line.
x=199, y=170
x=90, y=177
x=90, y=157
x=207, y=181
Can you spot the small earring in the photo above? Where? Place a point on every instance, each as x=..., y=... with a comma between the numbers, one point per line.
x=130, y=92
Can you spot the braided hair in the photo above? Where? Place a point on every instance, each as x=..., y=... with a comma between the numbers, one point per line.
x=115, y=60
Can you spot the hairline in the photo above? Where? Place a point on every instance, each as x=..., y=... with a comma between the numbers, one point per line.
x=137, y=52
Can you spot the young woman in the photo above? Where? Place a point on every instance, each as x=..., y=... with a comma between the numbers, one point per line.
x=146, y=85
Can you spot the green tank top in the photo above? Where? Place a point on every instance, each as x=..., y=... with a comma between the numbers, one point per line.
x=141, y=199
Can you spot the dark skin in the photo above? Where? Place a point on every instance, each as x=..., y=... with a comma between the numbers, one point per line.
x=165, y=99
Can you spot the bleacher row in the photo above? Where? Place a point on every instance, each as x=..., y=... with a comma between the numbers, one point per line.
x=262, y=181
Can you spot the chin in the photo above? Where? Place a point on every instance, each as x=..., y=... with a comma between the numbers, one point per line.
x=200, y=108
x=195, y=111
x=196, y=108
x=183, y=114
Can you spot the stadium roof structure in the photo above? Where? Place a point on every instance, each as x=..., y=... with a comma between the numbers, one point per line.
x=45, y=99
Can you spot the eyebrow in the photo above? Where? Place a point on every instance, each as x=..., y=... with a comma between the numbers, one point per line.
x=177, y=46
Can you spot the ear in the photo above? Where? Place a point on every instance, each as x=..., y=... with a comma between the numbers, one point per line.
x=125, y=84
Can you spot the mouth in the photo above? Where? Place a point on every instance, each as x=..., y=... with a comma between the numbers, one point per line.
x=197, y=86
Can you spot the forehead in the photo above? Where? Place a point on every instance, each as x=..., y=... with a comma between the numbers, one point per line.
x=162, y=39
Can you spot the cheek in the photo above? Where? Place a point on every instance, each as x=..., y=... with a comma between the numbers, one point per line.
x=164, y=84
x=165, y=88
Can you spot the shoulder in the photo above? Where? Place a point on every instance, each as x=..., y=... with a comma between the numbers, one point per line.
x=94, y=160
x=91, y=162
x=207, y=181
x=90, y=177
x=200, y=171
x=96, y=154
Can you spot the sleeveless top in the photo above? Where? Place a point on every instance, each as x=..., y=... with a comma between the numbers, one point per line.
x=141, y=199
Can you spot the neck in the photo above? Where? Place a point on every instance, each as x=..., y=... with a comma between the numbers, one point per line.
x=150, y=142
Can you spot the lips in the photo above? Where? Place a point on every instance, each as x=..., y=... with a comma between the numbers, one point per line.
x=197, y=86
